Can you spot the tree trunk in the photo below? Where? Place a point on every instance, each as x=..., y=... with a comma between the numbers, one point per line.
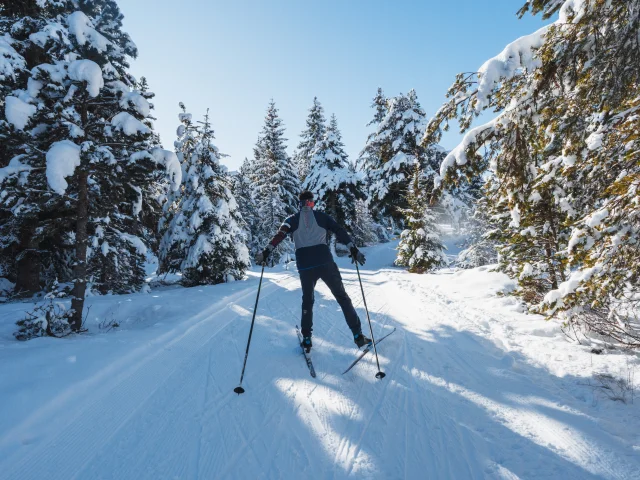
x=28, y=264
x=550, y=266
x=80, y=267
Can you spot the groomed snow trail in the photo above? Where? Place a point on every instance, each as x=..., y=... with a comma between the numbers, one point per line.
x=454, y=404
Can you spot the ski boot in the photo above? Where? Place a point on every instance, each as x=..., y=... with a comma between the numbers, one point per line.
x=306, y=344
x=361, y=340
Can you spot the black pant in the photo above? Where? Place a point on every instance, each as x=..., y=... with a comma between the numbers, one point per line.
x=330, y=275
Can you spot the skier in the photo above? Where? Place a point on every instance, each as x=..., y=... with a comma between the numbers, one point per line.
x=310, y=230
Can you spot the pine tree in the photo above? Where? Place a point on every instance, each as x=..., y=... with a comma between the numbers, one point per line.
x=20, y=215
x=364, y=228
x=85, y=159
x=276, y=183
x=480, y=245
x=332, y=179
x=312, y=134
x=392, y=153
x=204, y=239
x=242, y=188
x=158, y=189
x=370, y=156
x=561, y=149
x=420, y=248
x=381, y=107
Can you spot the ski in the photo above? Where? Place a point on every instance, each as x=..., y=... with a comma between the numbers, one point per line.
x=366, y=350
x=307, y=358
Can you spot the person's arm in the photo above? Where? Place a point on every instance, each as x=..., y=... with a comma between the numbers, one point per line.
x=288, y=226
x=341, y=234
x=343, y=237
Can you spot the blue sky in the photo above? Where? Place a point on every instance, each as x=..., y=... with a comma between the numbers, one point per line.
x=233, y=56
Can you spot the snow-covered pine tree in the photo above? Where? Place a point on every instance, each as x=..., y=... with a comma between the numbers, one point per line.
x=364, y=228
x=564, y=140
x=171, y=255
x=86, y=146
x=392, y=153
x=380, y=104
x=370, y=156
x=312, y=134
x=276, y=183
x=420, y=248
x=159, y=188
x=204, y=239
x=332, y=179
x=243, y=192
x=20, y=237
x=480, y=246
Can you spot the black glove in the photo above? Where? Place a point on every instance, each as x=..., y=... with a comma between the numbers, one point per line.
x=263, y=257
x=356, y=255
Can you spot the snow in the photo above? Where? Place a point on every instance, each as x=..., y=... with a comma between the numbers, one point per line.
x=11, y=62
x=597, y=217
x=129, y=125
x=137, y=102
x=81, y=27
x=18, y=112
x=15, y=167
x=458, y=156
x=594, y=141
x=515, y=217
x=87, y=71
x=51, y=31
x=137, y=243
x=516, y=56
x=570, y=286
x=474, y=387
x=62, y=159
x=6, y=286
x=527, y=271
x=171, y=164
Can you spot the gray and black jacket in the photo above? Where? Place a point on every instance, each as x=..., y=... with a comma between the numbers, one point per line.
x=311, y=232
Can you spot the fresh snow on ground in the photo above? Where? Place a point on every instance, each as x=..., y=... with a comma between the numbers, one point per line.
x=474, y=389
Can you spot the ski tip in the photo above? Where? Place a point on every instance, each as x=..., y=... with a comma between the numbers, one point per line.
x=380, y=375
x=238, y=390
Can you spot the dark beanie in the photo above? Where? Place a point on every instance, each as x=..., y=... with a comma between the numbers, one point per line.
x=306, y=195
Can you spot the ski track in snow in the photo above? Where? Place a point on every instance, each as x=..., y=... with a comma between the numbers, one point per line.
x=455, y=404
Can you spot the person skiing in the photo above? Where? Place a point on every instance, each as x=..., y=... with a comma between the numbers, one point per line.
x=310, y=230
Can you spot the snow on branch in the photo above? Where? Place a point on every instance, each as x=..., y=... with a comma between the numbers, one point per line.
x=171, y=164
x=10, y=61
x=18, y=112
x=129, y=125
x=62, y=159
x=458, y=156
x=81, y=27
x=87, y=71
x=516, y=57
x=15, y=167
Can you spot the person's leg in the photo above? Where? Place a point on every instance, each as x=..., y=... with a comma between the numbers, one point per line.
x=330, y=275
x=308, y=280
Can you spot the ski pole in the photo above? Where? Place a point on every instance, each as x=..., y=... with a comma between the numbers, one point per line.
x=239, y=388
x=380, y=375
